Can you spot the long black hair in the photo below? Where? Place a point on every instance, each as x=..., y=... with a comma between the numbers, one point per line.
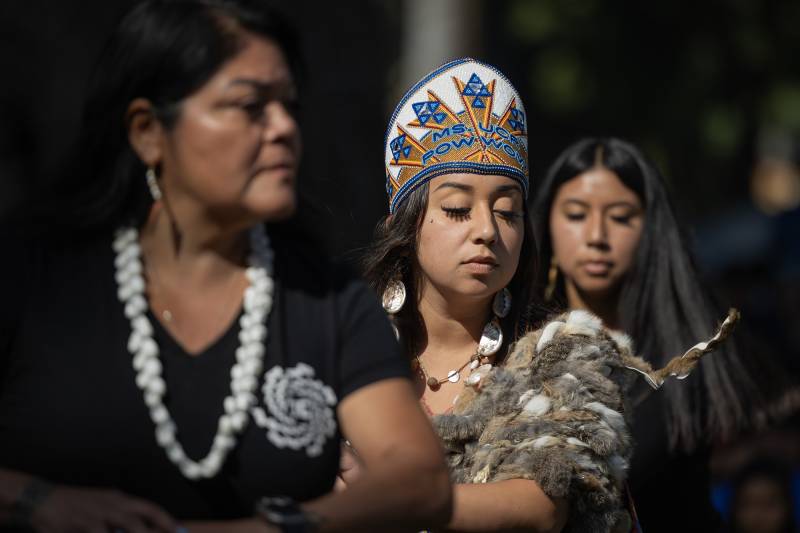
x=662, y=303
x=392, y=255
x=163, y=51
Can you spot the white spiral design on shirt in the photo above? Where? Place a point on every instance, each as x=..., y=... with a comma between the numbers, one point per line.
x=299, y=409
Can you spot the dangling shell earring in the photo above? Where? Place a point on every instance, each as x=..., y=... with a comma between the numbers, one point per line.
x=492, y=335
x=152, y=184
x=394, y=296
x=501, y=304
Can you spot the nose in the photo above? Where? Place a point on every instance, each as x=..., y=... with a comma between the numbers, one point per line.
x=484, y=225
x=280, y=124
x=597, y=232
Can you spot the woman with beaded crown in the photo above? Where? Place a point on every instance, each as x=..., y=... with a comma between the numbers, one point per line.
x=454, y=262
x=533, y=422
x=186, y=356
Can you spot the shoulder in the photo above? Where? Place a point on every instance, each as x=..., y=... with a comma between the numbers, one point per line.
x=311, y=278
x=302, y=262
x=27, y=256
x=33, y=271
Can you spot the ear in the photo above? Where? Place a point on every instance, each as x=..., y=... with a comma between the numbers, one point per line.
x=145, y=131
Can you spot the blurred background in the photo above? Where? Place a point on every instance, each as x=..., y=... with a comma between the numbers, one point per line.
x=710, y=90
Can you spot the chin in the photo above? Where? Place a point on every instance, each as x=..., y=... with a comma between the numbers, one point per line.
x=599, y=288
x=275, y=208
x=477, y=288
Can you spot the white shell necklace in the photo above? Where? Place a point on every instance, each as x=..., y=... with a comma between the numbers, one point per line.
x=490, y=342
x=244, y=373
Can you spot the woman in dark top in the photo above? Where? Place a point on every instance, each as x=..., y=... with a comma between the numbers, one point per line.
x=607, y=230
x=186, y=355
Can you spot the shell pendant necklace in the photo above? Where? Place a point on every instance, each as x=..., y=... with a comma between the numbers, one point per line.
x=491, y=340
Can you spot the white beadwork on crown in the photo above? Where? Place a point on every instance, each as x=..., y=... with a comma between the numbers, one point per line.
x=244, y=373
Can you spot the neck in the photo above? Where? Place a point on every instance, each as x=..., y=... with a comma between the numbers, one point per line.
x=453, y=327
x=604, y=306
x=189, y=248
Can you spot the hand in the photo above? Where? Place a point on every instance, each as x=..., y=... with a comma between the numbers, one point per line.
x=68, y=509
x=350, y=467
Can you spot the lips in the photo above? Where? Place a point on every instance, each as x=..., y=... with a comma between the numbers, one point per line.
x=480, y=264
x=283, y=170
x=483, y=260
x=285, y=165
x=276, y=159
x=597, y=267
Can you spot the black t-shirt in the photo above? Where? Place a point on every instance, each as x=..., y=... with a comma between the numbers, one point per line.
x=71, y=413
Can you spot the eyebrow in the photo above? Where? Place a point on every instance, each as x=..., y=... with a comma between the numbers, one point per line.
x=621, y=203
x=469, y=188
x=454, y=185
x=261, y=86
x=510, y=187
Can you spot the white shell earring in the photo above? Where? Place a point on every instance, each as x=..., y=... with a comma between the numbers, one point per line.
x=501, y=304
x=152, y=184
x=394, y=296
x=491, y=339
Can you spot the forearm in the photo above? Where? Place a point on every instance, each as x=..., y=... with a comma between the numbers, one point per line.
x=512, y=505
x=386, y=500
x=12, y=483
x=398, y=495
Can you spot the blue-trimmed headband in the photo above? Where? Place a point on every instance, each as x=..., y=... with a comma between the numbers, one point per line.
x=464, y=116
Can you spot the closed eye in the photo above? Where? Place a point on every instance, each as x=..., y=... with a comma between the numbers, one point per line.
x=625, y=220
x=508, y=215
x=457, y=213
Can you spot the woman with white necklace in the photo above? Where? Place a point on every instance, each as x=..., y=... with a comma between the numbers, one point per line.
x=192, y=359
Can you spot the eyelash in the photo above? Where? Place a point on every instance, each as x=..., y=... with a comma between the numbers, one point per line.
x=620, y=219
x=457, y=213
x=462, y=213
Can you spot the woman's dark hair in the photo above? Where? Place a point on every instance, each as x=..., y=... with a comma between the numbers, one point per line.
x=392, y=255
x=163, y=51
x=662, y=303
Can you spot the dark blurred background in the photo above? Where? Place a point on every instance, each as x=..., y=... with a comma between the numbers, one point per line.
x=710, y=90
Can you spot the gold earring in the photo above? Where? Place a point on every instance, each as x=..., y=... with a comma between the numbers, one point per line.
x=552, y=280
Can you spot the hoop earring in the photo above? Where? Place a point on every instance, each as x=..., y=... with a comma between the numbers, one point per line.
x=152, y=184
x=394, y=296
x=552, y=280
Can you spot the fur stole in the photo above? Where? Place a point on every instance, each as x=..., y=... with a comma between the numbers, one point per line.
x=555, y=412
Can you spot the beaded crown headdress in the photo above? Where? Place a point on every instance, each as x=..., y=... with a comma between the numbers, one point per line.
x=465, y=116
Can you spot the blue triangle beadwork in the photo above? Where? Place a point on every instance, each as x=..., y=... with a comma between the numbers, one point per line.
x=397, y=146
